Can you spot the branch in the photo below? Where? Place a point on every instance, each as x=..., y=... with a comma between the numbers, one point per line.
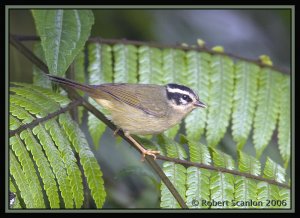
x=157, y=45
x=221, y=169
x=74, y=95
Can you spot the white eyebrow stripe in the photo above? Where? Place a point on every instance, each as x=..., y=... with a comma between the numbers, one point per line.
x=175, y=90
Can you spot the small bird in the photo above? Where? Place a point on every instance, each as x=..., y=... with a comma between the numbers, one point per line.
x=141, y=109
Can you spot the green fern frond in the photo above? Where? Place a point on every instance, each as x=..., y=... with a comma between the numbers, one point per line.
x=100, y=63
x=248, y=164
x=274, y=171
x=172, y=132
x=245, y=191
x=221, y=159
x=198, y=183
x=125, y=63
x=87, y=159
x=198, y=69
x=177, y=175
x=21, y=114
x=28, y=105
x=33, y=184
x=269, y=193
x=61, y=158
x=63, y=34
x=174, y=149
x=246, y=75
x=150, y=65
x=13, y=188
x=57, y=164
x=44, y=167
x=284, y=128
x=222, y=184
x=38, y=101
x=222, y=188
x=74, y=174
x=174, y=66
x=245, y=188
x=153, y=144
x=60, y=99
x=285, y=197
x=100, y=71
x=21, y=181
x=199, y=153
x=220, y=98
x=267, y=109
x=174, y=69
x=42, y=163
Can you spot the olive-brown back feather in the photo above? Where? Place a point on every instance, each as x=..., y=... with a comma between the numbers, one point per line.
x=145, y=97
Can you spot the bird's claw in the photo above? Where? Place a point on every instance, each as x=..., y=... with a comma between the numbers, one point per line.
x=150, y=153
x=116, y=132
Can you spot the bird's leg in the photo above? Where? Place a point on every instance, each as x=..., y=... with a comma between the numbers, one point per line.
x=141, y=148
x=116, y=131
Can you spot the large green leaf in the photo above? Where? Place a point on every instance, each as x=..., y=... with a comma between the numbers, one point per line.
x=39, y=78
x=63, y=34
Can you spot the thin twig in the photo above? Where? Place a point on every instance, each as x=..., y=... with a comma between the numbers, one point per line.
x=221, y=169
x=158, y=45
x=74, y=95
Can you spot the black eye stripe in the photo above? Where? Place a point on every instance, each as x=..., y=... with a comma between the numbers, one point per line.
x=180, y=95
x=176, y=97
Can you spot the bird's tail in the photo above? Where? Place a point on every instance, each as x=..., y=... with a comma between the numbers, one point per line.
x=86, y=88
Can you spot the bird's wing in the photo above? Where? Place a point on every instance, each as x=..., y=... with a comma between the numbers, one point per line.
x=138, y=97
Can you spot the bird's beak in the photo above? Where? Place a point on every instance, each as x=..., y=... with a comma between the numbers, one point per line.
x=200, y=104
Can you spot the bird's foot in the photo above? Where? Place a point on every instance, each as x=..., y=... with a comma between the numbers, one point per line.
x=116, y=132
x=149, y=152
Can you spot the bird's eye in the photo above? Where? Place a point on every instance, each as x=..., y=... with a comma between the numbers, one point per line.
x=184, y=97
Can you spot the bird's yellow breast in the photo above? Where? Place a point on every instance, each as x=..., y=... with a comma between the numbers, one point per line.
x=134, y=120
